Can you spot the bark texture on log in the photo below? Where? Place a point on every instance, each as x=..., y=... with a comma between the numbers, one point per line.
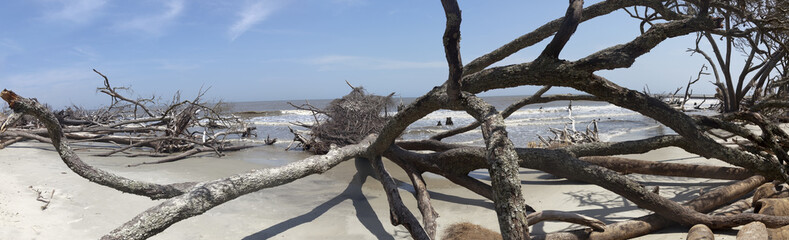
x=627, y=166
x=700, y=232
x=154, y=191
x=504, y=172
x=398, y=212
x=569, y=217
x=769, y=190
x=207, y=195
x=753, y=231
x=653, y=222
x=775, y=207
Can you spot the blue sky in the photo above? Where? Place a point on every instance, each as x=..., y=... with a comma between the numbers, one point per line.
x=286, y=50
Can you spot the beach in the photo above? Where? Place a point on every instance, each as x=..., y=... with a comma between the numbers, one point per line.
x=339, y=204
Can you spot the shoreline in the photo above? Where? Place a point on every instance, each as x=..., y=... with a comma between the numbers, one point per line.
x=338, y=204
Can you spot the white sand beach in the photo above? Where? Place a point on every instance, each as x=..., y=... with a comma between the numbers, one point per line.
x=336, y=205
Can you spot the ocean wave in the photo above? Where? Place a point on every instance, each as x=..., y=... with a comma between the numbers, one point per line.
x=273, y=113
x=548, y=120
x=272, y=123
x=634, y=132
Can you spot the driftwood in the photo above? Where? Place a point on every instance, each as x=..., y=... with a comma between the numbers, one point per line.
x=540, y=216
x=499, y=156
x=627, y=166
x=163, y=130
x=653, y=222
x=41, y=198
x=769, y=190
x=735, y=208
x=700, y=232
x=774, y=207
x=753, y=231
x=191, y=152
x=347, y=120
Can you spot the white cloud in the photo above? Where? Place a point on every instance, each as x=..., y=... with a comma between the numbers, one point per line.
x=76, y=11
x=252, y=14
x=338, y=62
x=155, y=25
x=176, y=65
x=49, y=78
x=84, y=52
x=8, y=46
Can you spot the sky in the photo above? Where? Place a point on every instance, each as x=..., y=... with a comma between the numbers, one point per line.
x=256, y=50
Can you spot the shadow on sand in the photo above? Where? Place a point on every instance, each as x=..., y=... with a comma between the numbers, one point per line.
x=364, y=211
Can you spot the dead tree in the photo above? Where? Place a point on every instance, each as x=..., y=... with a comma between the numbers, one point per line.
x=182, y=127
x=346, y=120
x=756, y=29
x=766, y=158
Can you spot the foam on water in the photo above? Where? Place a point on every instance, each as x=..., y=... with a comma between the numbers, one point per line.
x=523, y=126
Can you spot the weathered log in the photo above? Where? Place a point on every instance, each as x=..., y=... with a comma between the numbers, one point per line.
x=653, y=222
x=194, y=151
x=8, y=142
x=769, y=190
x=775, y=207
x=398, y=212
x=569, y=217
x=210, y=194
x=422, y=196
x=700, y=232
x=27, y=135
x=735, y=208
x=753, y=231
x=627, y=166
x=22, y=105
x=502, y=159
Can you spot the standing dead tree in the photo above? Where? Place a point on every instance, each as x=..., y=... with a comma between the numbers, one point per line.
x=499, y=155
x=756, y=29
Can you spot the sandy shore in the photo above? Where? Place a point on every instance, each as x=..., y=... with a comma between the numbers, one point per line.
x=339, y=204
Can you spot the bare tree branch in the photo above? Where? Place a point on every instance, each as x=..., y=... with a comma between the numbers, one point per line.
x=668, y=169
x=570, y=22
x=151, y=190
x=111, y=91
x=548, y=215
x=653, y=222
x=204, y=196
x=398, y=212
x=452, y=48
x=545, y=31
x=503, y=161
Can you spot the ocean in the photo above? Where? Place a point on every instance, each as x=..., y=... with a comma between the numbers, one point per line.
x=272, y=118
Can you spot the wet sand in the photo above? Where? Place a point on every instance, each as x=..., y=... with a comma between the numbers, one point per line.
x=344, y=203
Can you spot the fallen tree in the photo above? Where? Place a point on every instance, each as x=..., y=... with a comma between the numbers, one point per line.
x=175, y=130
x=765, y=153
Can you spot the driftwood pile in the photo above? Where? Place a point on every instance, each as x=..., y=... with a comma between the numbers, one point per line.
x=570, y=136
x=764, y=162
x=769, y=199
x=172, y=131
x=344, y=121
